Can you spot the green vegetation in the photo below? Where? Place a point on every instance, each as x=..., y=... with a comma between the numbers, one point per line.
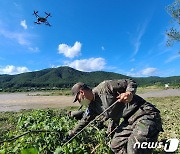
x=16, y=123
x=141, y=90
x=65, y=77
x=170, y=113
x=54, y=126
x=173, y=33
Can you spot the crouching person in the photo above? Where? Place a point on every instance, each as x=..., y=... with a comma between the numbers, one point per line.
x=137, y=130
x=142, y=122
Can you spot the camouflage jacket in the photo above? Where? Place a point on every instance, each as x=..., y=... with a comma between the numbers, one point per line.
x=104, y=95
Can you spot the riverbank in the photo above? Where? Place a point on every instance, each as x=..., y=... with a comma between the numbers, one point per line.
x=37, y=100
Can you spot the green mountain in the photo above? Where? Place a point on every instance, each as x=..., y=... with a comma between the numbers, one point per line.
x=65, y=77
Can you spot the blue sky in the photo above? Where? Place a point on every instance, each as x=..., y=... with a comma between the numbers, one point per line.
x=126, y=37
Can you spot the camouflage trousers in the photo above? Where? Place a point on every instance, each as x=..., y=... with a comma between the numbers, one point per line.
x=144, y=129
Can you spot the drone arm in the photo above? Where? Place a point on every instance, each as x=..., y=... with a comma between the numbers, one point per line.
x=48, y=14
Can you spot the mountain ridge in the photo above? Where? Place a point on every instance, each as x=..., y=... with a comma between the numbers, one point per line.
x=65, y=77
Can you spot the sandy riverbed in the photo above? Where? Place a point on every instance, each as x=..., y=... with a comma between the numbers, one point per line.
x=18, y=101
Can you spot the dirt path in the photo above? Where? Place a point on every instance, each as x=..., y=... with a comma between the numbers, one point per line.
x=162, y=93
x=18, y=101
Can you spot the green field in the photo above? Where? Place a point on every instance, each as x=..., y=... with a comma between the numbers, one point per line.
x=170, y=113
x=13, y=124
x=141, y=90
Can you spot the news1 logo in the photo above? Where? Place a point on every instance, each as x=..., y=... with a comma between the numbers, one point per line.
x=171, y=145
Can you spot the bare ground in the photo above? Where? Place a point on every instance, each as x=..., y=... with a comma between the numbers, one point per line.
x=18, y=101
x=161, y=93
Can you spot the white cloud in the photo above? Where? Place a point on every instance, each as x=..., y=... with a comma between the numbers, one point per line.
x=10, y=69
x=149, y=71
x=132, y=69
x=172, y=58
x=102, y=48
x=54, y=66
x=88, y=65
x=35, y=49
x=137, y=41
x=15, y=4
x=69, y=51
x=20, y=37
x=23, y=24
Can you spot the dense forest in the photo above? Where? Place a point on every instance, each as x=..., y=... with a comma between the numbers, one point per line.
x=65, y=77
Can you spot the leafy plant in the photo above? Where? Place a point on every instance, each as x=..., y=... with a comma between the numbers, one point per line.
x=44, y=131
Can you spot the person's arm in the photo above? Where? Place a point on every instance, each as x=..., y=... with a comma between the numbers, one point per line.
x=88, y=116
x=131, y=86
x=127, y=96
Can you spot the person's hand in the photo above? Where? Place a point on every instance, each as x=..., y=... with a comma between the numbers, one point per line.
x=125, y=97
x=69, y=113
x=100, y=124
x=71, y=133
x=66, y=138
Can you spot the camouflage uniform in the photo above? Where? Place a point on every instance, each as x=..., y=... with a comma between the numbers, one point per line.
x=143, y=126
x=77, y=114
x=142, y=120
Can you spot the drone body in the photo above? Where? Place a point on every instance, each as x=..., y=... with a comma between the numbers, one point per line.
x=41, y=20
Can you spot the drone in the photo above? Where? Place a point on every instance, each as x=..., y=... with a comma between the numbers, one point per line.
x=41, y=20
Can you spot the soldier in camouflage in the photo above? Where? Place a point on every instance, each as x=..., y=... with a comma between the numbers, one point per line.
x=142, y=122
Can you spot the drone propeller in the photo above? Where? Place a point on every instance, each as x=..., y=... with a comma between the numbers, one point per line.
x=37, y=22
x=48, y=24
x=48, y=14
x=35, y=13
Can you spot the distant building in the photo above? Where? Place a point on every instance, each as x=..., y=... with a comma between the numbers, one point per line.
x=166, y=86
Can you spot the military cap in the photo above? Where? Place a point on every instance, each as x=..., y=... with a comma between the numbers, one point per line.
x=76, y=89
